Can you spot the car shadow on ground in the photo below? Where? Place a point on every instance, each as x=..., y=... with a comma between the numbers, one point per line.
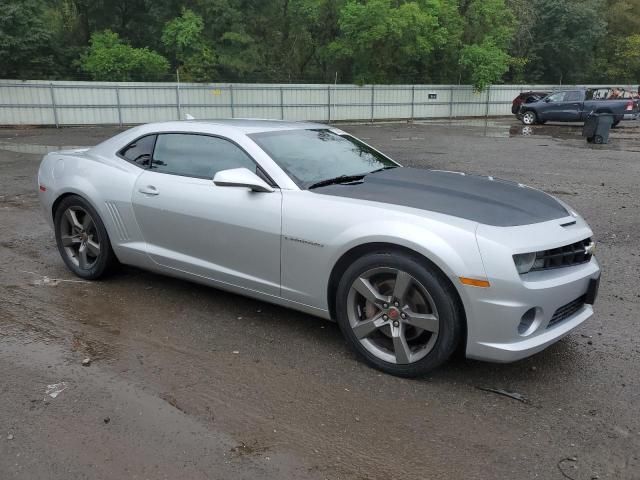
x=306, y=331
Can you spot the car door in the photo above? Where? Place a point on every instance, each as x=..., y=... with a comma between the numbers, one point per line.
x=551, y=108
x=572, y=106
x=227, y=234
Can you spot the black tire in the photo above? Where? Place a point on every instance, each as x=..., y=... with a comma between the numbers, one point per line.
x=615, y=123
x=442, y=293
x=100, y=264
x=598, y=140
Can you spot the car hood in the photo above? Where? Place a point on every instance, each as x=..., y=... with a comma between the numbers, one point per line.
x=481, y=199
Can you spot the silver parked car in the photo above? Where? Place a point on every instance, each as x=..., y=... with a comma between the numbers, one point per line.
x=411, y=263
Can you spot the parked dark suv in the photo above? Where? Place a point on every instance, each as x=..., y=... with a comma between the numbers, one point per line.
x=526, y=97
x=576, y=104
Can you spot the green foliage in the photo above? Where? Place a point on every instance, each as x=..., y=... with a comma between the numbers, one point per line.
x=183, y=35
x=184, y=39
x=567, y=34
x=485, y=62
x=25, y=50
x=392, y=41
x=488, y=21
x=625, y=63
x=109, y=58
x=382, y=41
x=489, y=27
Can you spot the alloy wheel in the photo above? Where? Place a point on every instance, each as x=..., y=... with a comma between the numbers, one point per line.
x=528, y=118
x=79, y=237
x=392, y=315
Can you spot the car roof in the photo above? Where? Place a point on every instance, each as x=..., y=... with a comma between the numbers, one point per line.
x=256, y=125
x=226, y=127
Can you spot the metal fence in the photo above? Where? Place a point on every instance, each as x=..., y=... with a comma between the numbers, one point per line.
x=99, y=103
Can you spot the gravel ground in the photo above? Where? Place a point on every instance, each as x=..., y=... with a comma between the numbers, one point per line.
x=190, y=382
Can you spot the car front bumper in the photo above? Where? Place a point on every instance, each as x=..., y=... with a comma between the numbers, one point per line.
x=494, y=314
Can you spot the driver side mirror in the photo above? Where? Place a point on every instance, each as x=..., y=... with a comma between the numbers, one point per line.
x=547, y=100
x=241, y=177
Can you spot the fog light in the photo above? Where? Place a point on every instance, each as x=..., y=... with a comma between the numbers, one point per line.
x=527, y=321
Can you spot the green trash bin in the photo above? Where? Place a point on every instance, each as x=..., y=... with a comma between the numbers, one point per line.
x=596, y=127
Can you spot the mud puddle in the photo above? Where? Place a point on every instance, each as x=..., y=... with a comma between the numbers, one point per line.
x=34, y=149
x=626, y=137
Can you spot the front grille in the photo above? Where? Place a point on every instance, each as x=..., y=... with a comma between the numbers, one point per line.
x=566, y=256
x=566, y=311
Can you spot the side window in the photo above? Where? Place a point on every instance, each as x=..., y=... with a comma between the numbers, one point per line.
x=557, y=97
x=199, y=156
x=573, y=96
x=140, y=151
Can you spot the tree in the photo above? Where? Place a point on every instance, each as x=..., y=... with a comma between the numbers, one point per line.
x=183, y=38
x=624, y=64
x=567, y=34
x=392, y=41
x=486, y=63
x=25, y=50
x=616, y=55
x=383, y=42
x=489, y=28
x=109, y=58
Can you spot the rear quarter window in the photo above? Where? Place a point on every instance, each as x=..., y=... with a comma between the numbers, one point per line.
x=140, y=151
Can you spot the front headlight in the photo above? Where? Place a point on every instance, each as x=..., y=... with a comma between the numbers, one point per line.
x=524, y=261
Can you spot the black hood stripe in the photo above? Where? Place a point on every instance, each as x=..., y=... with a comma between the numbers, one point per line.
x=473, y=197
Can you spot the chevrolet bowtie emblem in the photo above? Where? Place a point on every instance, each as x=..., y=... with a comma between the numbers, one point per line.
x=590, y=249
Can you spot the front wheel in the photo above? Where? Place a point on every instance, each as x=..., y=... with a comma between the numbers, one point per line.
x=82, y=239
x=399, y=313
x=529, y=118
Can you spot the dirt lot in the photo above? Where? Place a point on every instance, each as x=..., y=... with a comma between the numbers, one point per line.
x=190, y=382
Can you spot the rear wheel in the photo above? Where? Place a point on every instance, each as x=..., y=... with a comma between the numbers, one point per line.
x=598, y=139
x=400, y=316
x=82, y=239
x=529, y=118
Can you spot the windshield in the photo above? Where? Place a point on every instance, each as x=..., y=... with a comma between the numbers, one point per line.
x=311, y=156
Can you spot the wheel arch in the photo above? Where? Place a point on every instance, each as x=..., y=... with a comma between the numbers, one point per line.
x=358, y=251
x=71, y=193
x=56, y=203
x=74, y=193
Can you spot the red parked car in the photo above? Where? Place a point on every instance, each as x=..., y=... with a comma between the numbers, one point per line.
x=526, y=97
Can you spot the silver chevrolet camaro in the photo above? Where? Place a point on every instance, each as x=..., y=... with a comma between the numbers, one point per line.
x=412, y=264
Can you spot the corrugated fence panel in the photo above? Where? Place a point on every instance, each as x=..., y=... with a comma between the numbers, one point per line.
x=206, y=101
x=351, y=102
x=392, y=101
x=26, y=104
x=432, y=101
x=305, y=102
x=253, y=101
x=92, y=103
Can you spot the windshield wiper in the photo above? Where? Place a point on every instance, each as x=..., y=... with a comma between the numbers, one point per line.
x=339, y=179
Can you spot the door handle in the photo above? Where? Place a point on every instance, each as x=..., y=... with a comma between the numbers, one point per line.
x=149, y=190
